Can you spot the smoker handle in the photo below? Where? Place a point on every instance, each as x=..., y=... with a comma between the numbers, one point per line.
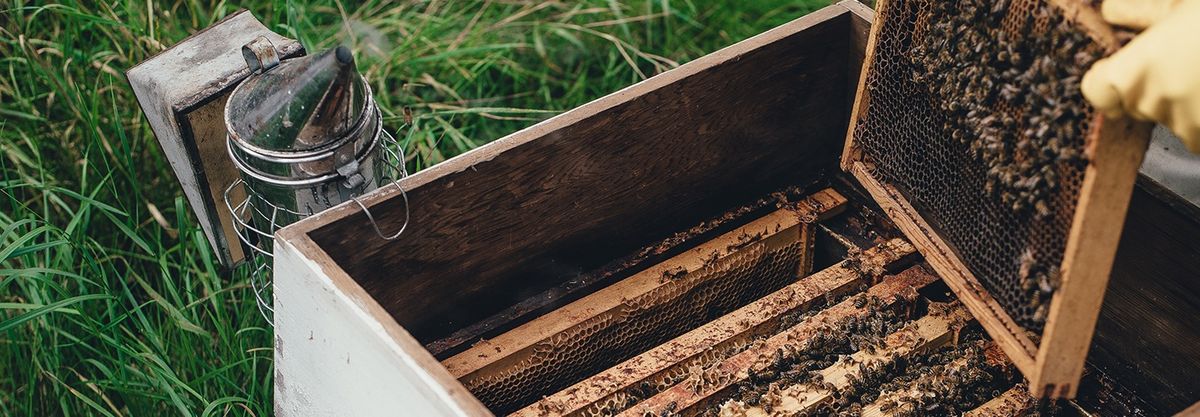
x=260, y=55
x=398, y=155
x=375, y=224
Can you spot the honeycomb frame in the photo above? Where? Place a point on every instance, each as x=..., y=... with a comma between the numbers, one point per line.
x=654, y=305
x=1114, y=150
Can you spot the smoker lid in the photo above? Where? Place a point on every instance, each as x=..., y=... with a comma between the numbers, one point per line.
x=301, y=106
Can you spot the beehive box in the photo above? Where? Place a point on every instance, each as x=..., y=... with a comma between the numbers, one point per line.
x=522, y=226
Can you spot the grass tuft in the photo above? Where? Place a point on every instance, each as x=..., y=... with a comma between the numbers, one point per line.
x=110, y=301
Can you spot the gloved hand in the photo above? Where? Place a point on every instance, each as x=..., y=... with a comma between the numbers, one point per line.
x=1157, y=75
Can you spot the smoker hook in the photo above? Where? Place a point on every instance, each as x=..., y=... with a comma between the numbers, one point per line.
x=260, y=55
x=398, y=166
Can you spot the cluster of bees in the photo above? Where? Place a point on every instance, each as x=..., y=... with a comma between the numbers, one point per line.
x=937, y=390
x=1039, y=281
x=647, y=389
x=790, y=365
x=929, y=388
x=1013, y=98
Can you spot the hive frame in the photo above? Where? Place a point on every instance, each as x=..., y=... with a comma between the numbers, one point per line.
x=501, y=357
x=1015, y=401
x=918, y=336
x=1115, y=148
x=734, y=333
x=689, y=396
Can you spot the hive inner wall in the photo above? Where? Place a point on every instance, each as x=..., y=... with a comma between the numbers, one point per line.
x=924, y=86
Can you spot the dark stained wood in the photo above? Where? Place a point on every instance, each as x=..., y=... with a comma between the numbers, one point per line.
x=860, y=33
x=590, y=186
x=1148, y=335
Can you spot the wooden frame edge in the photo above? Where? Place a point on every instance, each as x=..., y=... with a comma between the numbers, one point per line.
x=1091, y=21
x=509, y=347
x=1191, y=411
x=773, y=229
x=859, y=9
x=862, y=97
x=1116, y=151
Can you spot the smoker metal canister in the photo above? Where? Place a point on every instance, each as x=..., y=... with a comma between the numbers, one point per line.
x=305, y=134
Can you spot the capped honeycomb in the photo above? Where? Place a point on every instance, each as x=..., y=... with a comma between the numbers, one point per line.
x=975, y=116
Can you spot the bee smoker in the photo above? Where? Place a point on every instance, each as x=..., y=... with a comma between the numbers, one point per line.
x=245, y=116
x=305, y=135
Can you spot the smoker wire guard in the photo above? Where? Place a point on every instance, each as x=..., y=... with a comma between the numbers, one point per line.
x=260, y=242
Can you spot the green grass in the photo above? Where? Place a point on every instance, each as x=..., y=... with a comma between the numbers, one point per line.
x=110, y=301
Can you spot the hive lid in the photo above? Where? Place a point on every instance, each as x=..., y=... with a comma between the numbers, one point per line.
x=301, y=105
x=970, y=132
x=182, y=92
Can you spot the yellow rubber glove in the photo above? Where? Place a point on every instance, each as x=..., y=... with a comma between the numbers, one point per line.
x=1157, y=75
x=1136, y=14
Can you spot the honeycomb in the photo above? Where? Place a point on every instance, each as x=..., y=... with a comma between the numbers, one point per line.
x=975, y=116
x=681, y=304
